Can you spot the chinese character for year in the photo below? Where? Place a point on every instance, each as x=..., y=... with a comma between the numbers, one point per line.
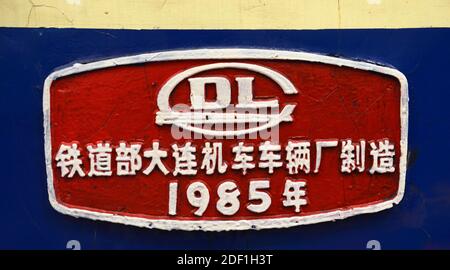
x=270, y=159
x=185, y=163
x=155, y=154
x=128, y=159
x=68, y=160
x=298, y=156
x=242, y=160
x=213, y=157
x=353, y=156
x=100, y=159
x=383, y=157
x=294, y=194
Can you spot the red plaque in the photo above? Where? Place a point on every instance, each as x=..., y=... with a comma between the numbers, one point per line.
x=225, y=139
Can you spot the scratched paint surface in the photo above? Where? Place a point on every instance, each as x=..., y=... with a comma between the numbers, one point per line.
x=420, y=221
x=225, y=14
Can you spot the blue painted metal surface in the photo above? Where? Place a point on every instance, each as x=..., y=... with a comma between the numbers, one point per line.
x=420, y=221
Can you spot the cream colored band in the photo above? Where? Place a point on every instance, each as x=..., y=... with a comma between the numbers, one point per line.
x=225, y=14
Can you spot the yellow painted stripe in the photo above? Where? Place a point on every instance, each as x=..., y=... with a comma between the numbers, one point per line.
x=225, y=14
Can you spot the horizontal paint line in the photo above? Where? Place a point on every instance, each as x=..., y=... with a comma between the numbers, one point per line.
x=225, y=14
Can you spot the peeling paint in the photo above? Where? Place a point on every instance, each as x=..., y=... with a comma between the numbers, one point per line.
x=37, y=6
x=225, y=14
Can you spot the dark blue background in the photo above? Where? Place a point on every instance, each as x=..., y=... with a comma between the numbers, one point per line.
x=420, y=221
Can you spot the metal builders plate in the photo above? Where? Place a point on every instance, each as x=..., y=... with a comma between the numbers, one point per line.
x=225, y=139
